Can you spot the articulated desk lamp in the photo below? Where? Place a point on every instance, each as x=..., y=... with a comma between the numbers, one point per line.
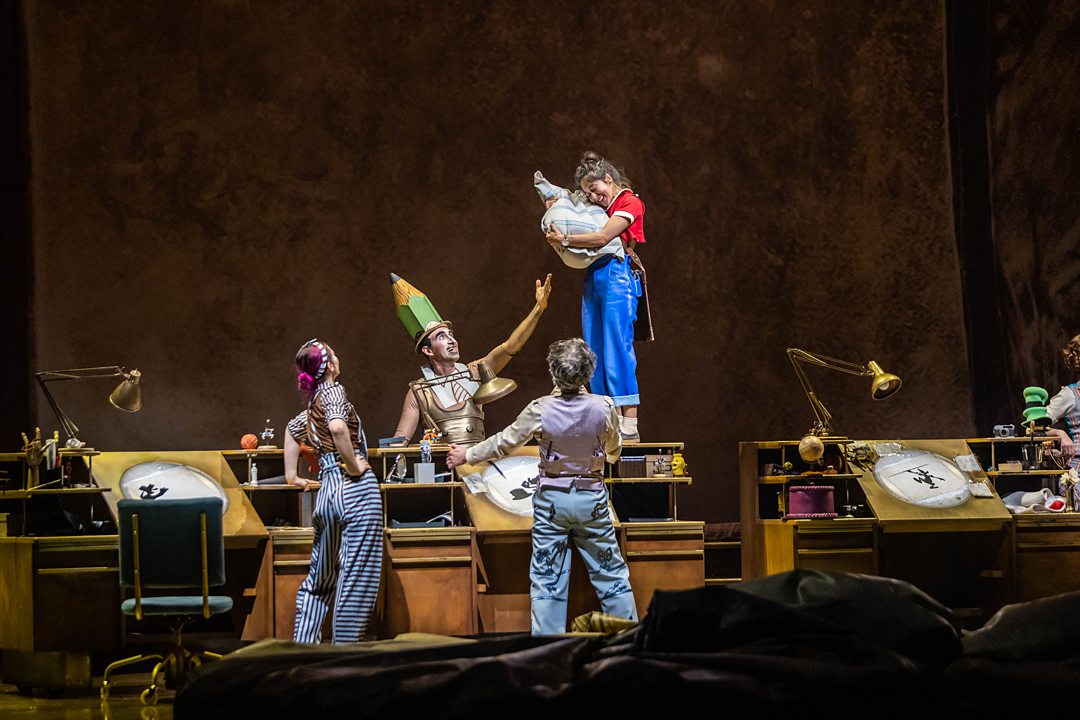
x=883, y=385
x=127, y=396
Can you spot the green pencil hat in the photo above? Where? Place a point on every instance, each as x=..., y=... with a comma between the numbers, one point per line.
x=415, y=311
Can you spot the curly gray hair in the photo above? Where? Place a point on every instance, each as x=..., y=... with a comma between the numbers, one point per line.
x=571, y=363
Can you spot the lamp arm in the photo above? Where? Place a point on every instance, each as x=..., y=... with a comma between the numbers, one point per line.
x=829, y=362
x=82, y=373
x=416, y=386
x=48, y=376
x=820, y=412
x=70, y=428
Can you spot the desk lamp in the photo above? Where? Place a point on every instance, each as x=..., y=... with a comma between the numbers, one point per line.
x=883, y=385
x=127, y=396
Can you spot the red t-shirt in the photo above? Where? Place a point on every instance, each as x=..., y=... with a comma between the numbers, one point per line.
x=628, y=205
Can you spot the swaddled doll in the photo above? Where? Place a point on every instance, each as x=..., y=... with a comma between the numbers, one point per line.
x=573, y=214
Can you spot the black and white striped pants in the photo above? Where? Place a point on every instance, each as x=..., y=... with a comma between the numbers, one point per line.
x=346, y=556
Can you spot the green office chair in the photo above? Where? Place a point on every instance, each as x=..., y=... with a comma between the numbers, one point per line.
x=170, y=545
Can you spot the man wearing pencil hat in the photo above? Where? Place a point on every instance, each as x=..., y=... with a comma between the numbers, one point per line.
x=449, y=406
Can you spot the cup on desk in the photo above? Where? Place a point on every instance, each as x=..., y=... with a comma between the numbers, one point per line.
x=424, y=472
x=1033, y=455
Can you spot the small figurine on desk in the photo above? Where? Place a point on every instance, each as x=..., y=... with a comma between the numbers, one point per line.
x=267, y=437
x=424, y=470
x=661, y=467
x=431, y=436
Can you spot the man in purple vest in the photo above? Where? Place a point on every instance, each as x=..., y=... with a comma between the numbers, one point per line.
x=576, y=432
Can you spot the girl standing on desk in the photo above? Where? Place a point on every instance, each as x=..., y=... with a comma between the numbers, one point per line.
x=609, y=303
x=346, y=553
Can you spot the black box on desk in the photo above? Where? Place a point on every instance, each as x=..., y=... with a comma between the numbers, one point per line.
x=630, y=466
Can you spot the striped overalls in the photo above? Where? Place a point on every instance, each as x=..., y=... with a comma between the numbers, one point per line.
x=347, y=550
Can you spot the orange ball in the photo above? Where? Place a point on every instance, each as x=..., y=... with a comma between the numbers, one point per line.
x=249, y=442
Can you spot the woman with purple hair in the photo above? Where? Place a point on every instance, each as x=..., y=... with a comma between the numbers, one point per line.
x=346, y=553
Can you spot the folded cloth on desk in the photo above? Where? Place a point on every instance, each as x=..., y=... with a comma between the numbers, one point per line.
x=1036, y=501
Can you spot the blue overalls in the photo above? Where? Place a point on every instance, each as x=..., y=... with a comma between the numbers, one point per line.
x=608, y=311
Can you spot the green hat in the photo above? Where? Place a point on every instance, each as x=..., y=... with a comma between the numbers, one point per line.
x=415, y=311
x=1035, y=406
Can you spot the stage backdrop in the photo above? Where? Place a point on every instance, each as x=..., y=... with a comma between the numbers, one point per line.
x=1034, y=141
x=213, y=183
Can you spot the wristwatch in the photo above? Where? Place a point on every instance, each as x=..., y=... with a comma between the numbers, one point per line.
x=566, y=241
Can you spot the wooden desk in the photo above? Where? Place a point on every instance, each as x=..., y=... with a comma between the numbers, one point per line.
x=961, y=555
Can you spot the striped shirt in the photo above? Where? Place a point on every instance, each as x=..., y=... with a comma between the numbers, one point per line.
x=313, y=425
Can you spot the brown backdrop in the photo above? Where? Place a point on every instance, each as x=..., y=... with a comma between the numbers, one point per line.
x=213, y=183
x=1034, y=143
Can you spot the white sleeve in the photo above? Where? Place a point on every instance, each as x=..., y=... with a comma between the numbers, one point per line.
x=1061, y=404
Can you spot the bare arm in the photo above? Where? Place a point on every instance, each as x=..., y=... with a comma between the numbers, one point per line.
x=352, y=464
x=614, y=227
x=497, y=359
x=1068, y=448
x=410, y=418
x=292, y=457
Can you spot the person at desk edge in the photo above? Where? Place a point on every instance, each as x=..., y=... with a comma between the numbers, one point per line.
x=1064, y=407
x=450, y=407
x=576, y=432
x=346, y=551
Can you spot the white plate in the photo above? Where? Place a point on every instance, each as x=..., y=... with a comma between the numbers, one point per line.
x=169, y=481
x=922, y=478
x=514, y=492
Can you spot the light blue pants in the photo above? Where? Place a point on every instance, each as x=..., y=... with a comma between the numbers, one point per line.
x=581, y=517
x=346, y=556
x=608, y=311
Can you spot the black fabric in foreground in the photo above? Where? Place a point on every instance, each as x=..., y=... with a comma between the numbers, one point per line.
x=805, y=641
x=1025, y=657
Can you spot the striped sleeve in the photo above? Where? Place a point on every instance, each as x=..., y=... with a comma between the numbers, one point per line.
x=298, y=427
x=334, y=403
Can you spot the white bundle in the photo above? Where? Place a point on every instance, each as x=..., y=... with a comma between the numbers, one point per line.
x=573, y=214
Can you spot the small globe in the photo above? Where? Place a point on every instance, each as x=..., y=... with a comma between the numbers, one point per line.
x=250, y=442
x=811, y=449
